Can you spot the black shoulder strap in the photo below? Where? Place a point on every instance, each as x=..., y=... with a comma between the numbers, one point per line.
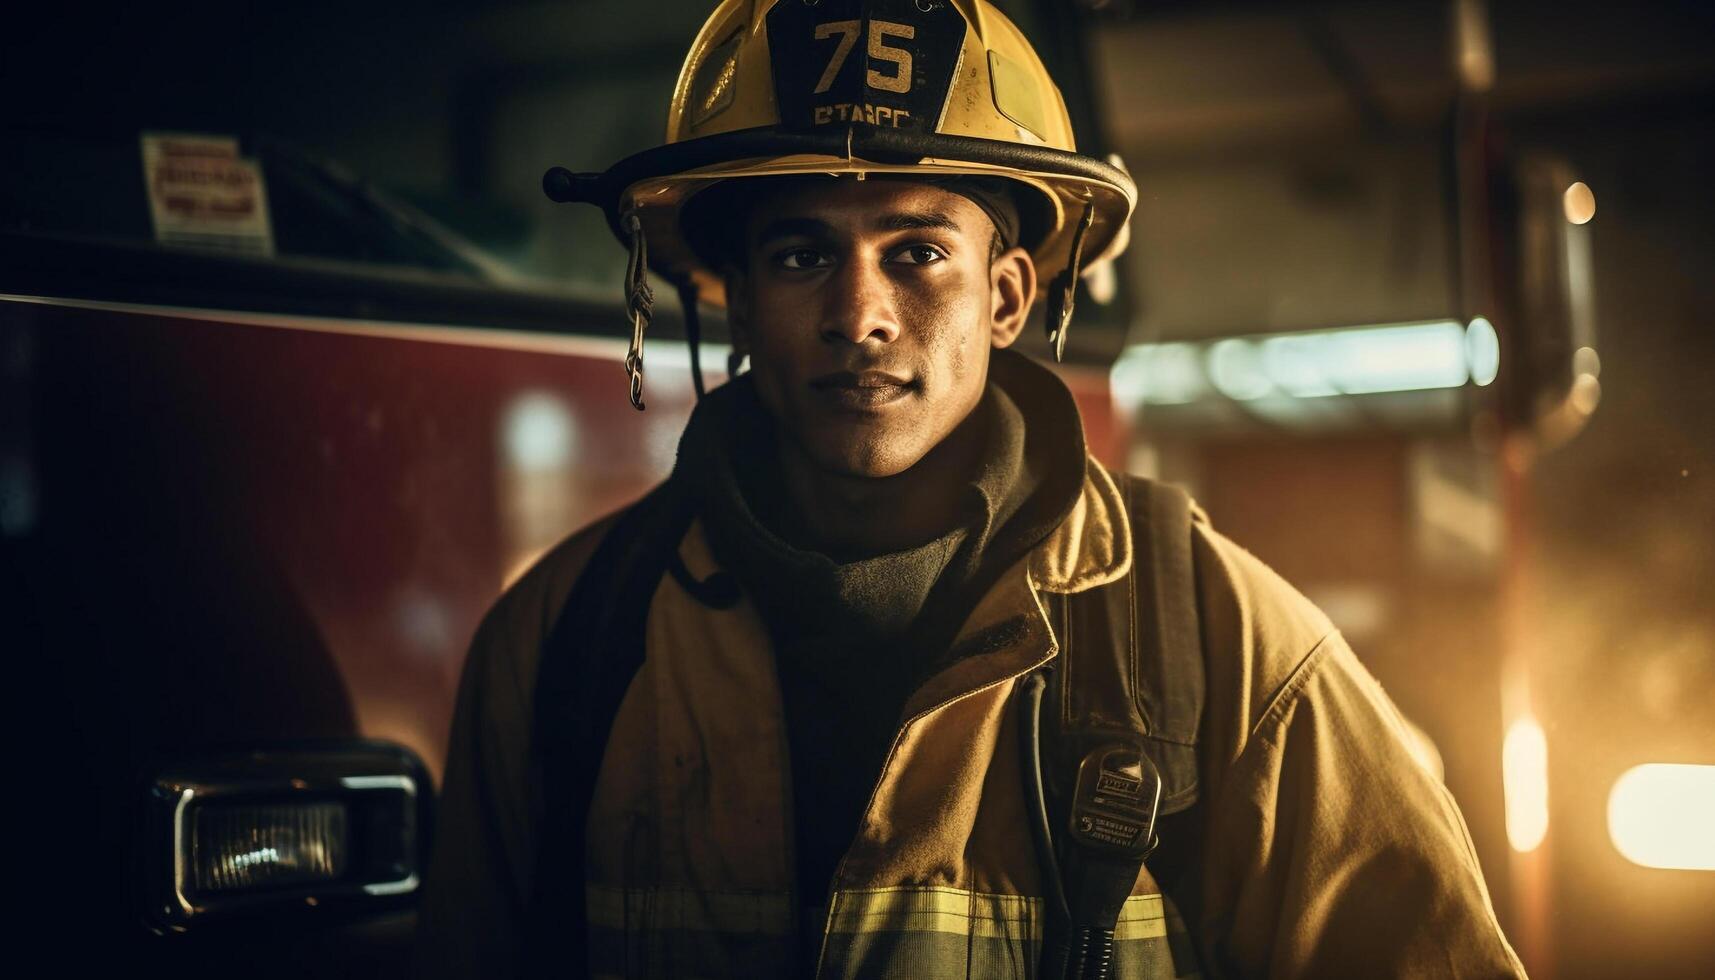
x=1171, y=673
x=1168, y=638
x=587, y=662
x=1132, y=651
x=1129, y=691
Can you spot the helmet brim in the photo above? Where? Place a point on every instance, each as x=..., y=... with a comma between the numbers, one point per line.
x=656, y=184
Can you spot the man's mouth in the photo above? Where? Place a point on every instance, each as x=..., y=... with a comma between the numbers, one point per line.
x=859, y=390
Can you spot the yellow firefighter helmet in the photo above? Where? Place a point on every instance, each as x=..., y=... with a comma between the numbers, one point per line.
x=939, y=88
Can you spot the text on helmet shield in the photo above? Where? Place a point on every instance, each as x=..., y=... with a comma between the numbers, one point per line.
x=880, y=62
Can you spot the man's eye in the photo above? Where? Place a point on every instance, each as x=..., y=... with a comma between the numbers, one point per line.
x=801, y=258
x=919, y=255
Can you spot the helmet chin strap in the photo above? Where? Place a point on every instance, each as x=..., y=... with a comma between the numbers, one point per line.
x=693, y=333
x=639, y=304
x=1063, y=291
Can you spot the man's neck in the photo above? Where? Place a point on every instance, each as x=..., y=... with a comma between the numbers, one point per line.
x=853, y=517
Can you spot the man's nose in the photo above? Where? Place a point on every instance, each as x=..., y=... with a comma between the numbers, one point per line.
x=858, y=305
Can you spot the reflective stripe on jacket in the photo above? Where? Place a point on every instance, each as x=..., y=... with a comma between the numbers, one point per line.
x=1329, y=849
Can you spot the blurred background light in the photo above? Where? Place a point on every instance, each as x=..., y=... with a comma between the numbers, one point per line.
x=1236, y=368
x=1585, y=360
x=1160, y=374
x=1295, y=363
x=1663, y=816
x=1524, y=775
x=1365, y=360
x=1407, y=357
x=1586, y=393
x=1474, y=56
x=1579, y=202
x=1483, y=351
x=668, y=356
x=1102, y=280
x=540, y=432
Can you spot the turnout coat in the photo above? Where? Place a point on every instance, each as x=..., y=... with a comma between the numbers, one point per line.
x=1325, y=848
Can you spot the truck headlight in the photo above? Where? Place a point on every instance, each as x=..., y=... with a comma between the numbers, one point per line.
x=247, y=848
x=340, y=826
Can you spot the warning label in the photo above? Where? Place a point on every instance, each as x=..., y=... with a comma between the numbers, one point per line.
x=202, y=194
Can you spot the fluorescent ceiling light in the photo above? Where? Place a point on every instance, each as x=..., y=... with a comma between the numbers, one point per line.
x=1366, y=360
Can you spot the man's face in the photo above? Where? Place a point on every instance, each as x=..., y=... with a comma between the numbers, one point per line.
x=869, y=309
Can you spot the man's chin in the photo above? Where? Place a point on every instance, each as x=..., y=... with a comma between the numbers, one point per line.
x=863, y=469
x=861, y=461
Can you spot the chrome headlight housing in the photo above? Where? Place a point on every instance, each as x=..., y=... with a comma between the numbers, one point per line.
x=342, y=826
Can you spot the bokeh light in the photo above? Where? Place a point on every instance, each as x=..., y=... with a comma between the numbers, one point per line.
x=1579, y=202
x=1663, y=816
x=1524, y=773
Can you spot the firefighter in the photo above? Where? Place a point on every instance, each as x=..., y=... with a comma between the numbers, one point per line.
x=889, y=677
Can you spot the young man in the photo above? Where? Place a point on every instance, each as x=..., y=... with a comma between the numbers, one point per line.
x=779, y=718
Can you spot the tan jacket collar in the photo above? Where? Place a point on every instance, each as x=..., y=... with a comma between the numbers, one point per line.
x=1008, y=632
x=1092, y=546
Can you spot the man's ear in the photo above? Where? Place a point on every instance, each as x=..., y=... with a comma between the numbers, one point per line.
x=1012, y=290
